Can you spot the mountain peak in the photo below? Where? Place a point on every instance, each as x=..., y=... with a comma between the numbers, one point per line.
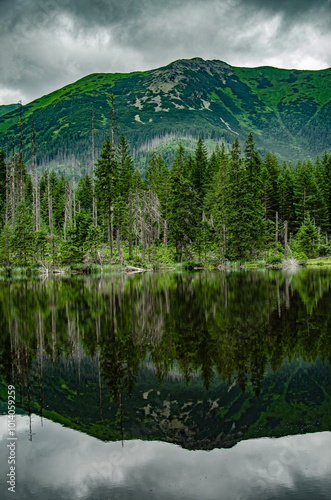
x=288, y=111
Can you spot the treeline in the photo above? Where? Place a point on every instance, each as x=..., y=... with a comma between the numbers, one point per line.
x=233, y=206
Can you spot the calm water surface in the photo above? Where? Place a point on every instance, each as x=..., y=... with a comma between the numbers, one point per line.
x=193, y=386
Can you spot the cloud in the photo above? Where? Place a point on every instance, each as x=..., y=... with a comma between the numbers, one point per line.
x=47, y=44
x=70, y=464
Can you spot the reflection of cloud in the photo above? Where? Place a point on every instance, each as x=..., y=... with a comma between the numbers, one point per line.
x=62, y=463
x=45, y=45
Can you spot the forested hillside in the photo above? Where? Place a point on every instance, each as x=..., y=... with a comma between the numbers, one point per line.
x=226, y=206
x=288, y=111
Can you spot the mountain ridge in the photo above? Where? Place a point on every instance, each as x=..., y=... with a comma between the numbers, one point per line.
x=288, y=111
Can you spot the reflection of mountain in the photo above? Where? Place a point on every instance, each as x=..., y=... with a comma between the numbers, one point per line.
x=294, y=400
x=199, y=360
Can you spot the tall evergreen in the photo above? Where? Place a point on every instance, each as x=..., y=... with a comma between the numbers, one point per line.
x=273, y=170
x=244, y=205
x=326, y=169
x=182, y=206
x=286, y=196
x=2, y=186
x=106, y=185
x=125, y=168
x=200, y=171
x=308, y=197
x=215, y=199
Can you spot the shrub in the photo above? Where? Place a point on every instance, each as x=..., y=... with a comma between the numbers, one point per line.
x=301, y=257
x=274, y=259
x=191, y=264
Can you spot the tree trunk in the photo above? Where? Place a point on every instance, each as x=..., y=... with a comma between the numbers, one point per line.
x=73, y=192
x=130, y=224
x=224, y=238
x=143, y=238
x=276, y=233
x=118, y=242
x=285, y=239
x=50, y=212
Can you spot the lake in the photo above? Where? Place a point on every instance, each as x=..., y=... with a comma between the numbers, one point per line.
x=209, y=385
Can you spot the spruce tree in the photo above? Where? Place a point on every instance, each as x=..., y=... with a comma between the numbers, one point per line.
x=106, y=183
x=286, y=196
x=273, y=175
x=2, y=186
x=182, y=206
x=125, y=168
x=23, y=237
x=84, y=194
x=215, y=199
x=244, y=205
x=200, y=172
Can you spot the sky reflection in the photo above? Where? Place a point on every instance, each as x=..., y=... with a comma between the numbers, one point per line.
x=60, y=463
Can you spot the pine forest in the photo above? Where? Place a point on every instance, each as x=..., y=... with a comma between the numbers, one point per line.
x=232, y=205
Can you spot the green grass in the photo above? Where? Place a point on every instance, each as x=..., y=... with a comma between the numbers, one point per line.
x=321, y=261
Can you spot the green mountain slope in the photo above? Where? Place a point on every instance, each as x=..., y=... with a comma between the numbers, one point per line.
x=288, y=111
x=6, y=108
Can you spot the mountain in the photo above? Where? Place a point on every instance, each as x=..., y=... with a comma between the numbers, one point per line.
x=288, y=111
x=5, y=108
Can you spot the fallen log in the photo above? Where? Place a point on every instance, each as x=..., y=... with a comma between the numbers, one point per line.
x=59, y=271
x=132, y=269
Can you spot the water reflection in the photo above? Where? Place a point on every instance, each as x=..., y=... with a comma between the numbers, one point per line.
x=61, y=463
x=252, y=348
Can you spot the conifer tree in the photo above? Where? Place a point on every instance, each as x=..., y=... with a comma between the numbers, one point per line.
x=182, y=206
x=308, y=198
x=106, y=181
x=215, y=199
x=307, y=237
x=326, y=181
x=273, y=175
x=125, y=168
x=84, y=194
x=23, y=236
x=3, y=185
x=286, y=195
x=245, y=211
x=200, y=171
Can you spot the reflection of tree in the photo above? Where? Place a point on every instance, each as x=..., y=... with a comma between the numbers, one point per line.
x=233, y=324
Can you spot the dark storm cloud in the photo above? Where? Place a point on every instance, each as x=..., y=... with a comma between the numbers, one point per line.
x=48, y=43
x=289, y=7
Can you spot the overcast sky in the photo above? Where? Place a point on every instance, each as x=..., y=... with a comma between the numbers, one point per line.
x=46, y=44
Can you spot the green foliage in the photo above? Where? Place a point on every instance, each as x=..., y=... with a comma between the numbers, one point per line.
x=190, y=265
x=245, y=221
x=6, y=245
x=84, y=193
x=162, y=255
x=182, y=206
x=300, y=256
x=93, y=241
x=23, y=239
x=125, y=168
x=274, y=259
x=68, y=252
x=41, y=242
x=2, y=185
x=229, y=206
x=106, y=173
x=306, y=240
